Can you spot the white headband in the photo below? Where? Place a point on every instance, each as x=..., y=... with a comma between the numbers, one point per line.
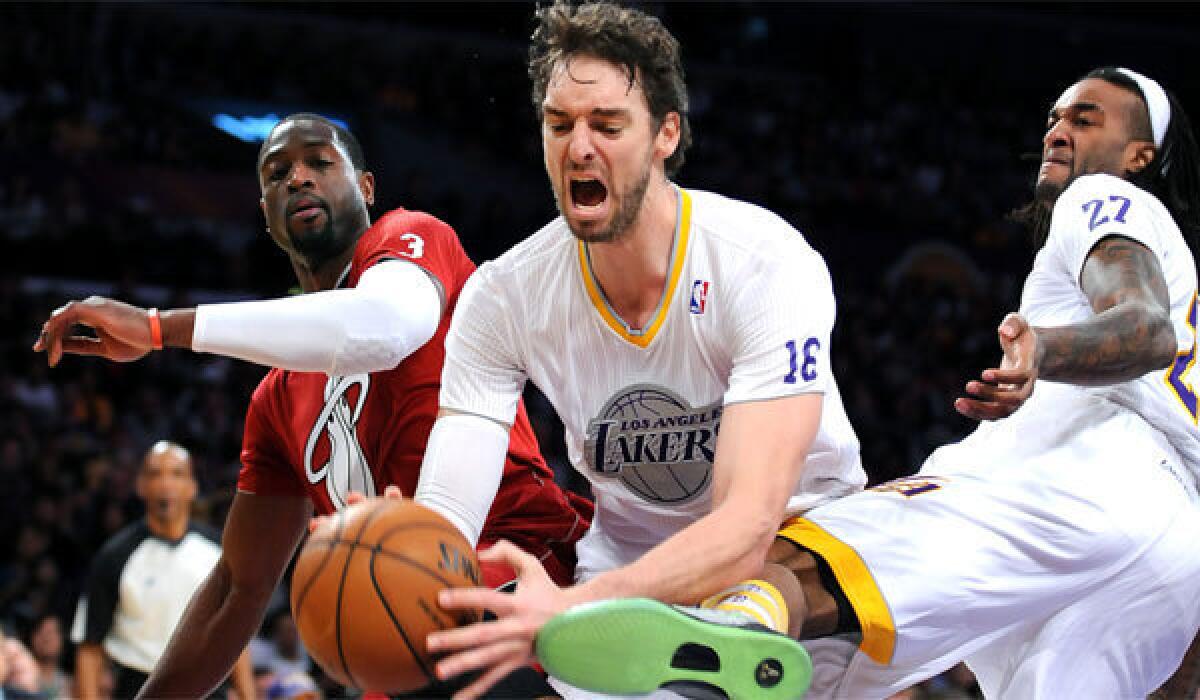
x=1156, y=103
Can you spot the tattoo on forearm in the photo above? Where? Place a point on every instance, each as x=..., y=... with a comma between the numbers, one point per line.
x=1130, y=334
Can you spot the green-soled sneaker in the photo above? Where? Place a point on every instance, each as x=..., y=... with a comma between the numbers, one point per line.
x=632, y=646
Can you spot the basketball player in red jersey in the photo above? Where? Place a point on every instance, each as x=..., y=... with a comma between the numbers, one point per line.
x=352, y=397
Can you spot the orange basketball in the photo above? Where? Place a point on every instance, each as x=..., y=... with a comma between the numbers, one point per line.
x=364, y=592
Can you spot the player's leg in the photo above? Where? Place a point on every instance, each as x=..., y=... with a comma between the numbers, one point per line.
x=932, y=569
x=607, y=635
x=1124, y=639
x=939, y=567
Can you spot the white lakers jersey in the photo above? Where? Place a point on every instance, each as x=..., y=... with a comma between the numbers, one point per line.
x=1093, y=207
x=746, y=315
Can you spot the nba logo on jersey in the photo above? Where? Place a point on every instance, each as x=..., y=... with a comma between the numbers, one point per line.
x=699, y=296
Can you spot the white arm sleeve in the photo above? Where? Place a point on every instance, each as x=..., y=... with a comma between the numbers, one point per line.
x=394, y=310
x=464, y=461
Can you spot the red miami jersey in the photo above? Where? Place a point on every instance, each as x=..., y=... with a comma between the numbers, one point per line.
x=308, y=433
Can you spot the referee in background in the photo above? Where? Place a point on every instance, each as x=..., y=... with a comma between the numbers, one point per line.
x=141, y=582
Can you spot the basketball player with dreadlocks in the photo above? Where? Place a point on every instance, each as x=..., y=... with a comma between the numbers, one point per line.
x=1055, y=548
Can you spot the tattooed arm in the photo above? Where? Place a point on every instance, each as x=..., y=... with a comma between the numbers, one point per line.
x=1129, y=335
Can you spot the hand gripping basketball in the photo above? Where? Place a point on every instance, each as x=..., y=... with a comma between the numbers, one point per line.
x=498, y=647
x=365, y=592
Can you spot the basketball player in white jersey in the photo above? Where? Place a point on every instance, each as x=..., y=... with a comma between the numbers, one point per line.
x=682, y=336
x=1057, y=548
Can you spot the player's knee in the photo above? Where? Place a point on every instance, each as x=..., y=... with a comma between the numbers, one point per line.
x=822, y=608
x=788, y=585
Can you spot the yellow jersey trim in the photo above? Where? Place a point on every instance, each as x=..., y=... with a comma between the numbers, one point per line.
x=1190, y=353
x=643, y=337
x=878, y=629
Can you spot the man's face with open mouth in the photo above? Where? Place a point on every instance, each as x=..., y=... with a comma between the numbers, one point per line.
x=598, y=142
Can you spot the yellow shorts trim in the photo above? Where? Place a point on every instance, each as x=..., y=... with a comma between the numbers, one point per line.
x=878, y=629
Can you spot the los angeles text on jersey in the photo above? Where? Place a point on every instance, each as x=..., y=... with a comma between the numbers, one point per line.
x=653, y=441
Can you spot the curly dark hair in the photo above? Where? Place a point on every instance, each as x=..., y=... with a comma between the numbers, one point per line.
x=624, y=36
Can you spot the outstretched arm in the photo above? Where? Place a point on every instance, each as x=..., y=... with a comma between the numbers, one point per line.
x=260, y=537
x=1129, y=335
x=394, y=310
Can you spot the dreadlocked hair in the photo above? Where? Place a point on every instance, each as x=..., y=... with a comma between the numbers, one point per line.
x=1173, y=175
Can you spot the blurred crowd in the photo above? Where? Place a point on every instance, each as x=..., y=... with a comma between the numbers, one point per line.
x=889, y=137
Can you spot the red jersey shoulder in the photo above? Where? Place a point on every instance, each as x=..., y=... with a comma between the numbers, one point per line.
x=415, y=236
x=269, y=387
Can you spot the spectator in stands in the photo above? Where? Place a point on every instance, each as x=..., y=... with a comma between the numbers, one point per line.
x=281, y=651
x=18, y=671
x=46, y=644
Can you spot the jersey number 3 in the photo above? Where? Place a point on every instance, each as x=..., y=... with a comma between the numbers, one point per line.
x=807, y=368
x=416, y=245
x=1177, y=378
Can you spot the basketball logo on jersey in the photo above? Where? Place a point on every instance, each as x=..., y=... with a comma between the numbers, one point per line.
x=333, y=441
x=655, y=443
x=699, y=296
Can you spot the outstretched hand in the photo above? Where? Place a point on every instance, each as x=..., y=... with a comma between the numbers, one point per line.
x=1000, y=391
x=122, y=331
x=501, y=646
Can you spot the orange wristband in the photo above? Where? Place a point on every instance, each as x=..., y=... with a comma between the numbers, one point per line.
x=155, y=329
